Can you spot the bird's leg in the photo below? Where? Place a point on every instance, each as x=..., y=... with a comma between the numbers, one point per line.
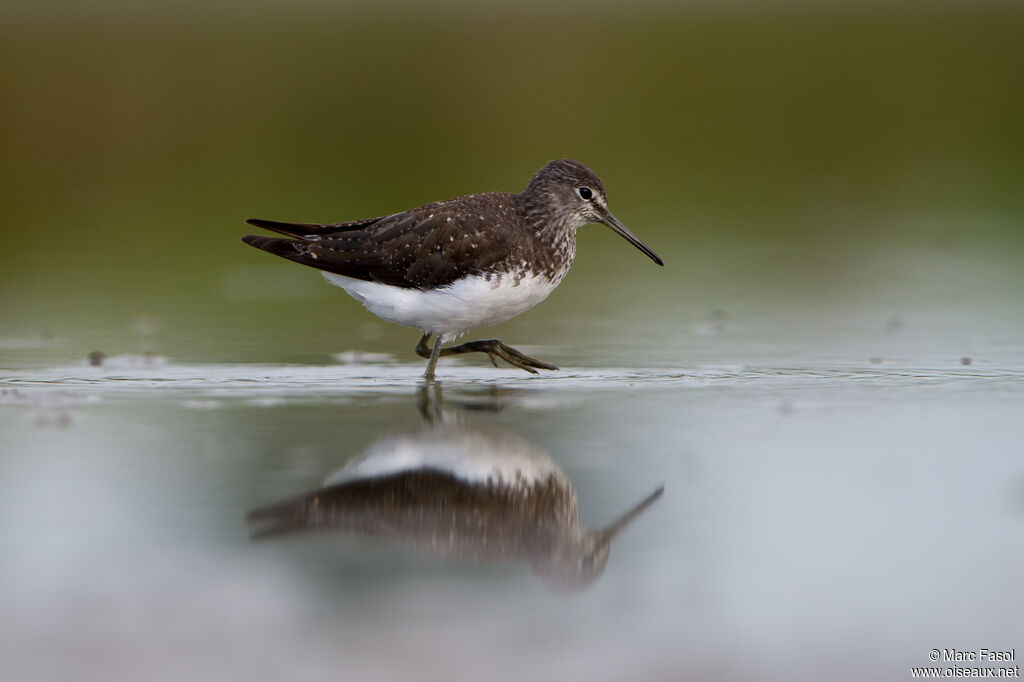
x=493, y=347
x=423, y=351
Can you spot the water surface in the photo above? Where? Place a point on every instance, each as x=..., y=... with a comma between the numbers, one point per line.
x=810, y=514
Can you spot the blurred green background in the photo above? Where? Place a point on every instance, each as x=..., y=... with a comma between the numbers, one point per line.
x=779, y=157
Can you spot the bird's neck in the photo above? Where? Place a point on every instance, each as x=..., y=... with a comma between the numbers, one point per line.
x=548, y=221
x=550, y=239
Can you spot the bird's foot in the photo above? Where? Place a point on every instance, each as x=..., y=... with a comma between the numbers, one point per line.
x=494, y=349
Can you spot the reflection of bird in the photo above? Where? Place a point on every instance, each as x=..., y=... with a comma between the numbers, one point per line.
x=478, y=494
x=452, y=266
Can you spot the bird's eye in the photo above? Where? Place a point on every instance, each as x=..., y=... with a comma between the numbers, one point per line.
x=586, y=193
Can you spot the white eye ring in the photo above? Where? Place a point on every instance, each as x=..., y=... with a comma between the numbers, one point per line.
x=586, y=193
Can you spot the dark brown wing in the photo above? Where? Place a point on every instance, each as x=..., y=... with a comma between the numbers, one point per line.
x=424, y=247
x=308, y=229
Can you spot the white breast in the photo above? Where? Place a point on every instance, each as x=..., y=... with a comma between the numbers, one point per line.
x=466, y=304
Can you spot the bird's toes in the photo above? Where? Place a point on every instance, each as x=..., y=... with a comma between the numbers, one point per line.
x=524, y=361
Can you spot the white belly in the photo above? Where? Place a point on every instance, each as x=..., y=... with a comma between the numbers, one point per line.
x=468, y=303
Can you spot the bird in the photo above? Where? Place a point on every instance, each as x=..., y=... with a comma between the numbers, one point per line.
x=452, y=266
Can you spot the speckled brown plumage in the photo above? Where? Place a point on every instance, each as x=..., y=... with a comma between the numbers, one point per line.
x=425, y=247
x=492, y=233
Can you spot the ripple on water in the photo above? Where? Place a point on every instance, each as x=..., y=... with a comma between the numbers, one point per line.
x=270, y=381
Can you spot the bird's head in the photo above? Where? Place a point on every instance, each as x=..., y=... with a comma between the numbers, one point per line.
x=574, y=193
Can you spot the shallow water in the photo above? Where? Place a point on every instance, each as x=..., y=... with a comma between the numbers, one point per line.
x=853, y=516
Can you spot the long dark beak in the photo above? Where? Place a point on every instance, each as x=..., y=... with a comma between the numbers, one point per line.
x=608, y=533
x=611, y=221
